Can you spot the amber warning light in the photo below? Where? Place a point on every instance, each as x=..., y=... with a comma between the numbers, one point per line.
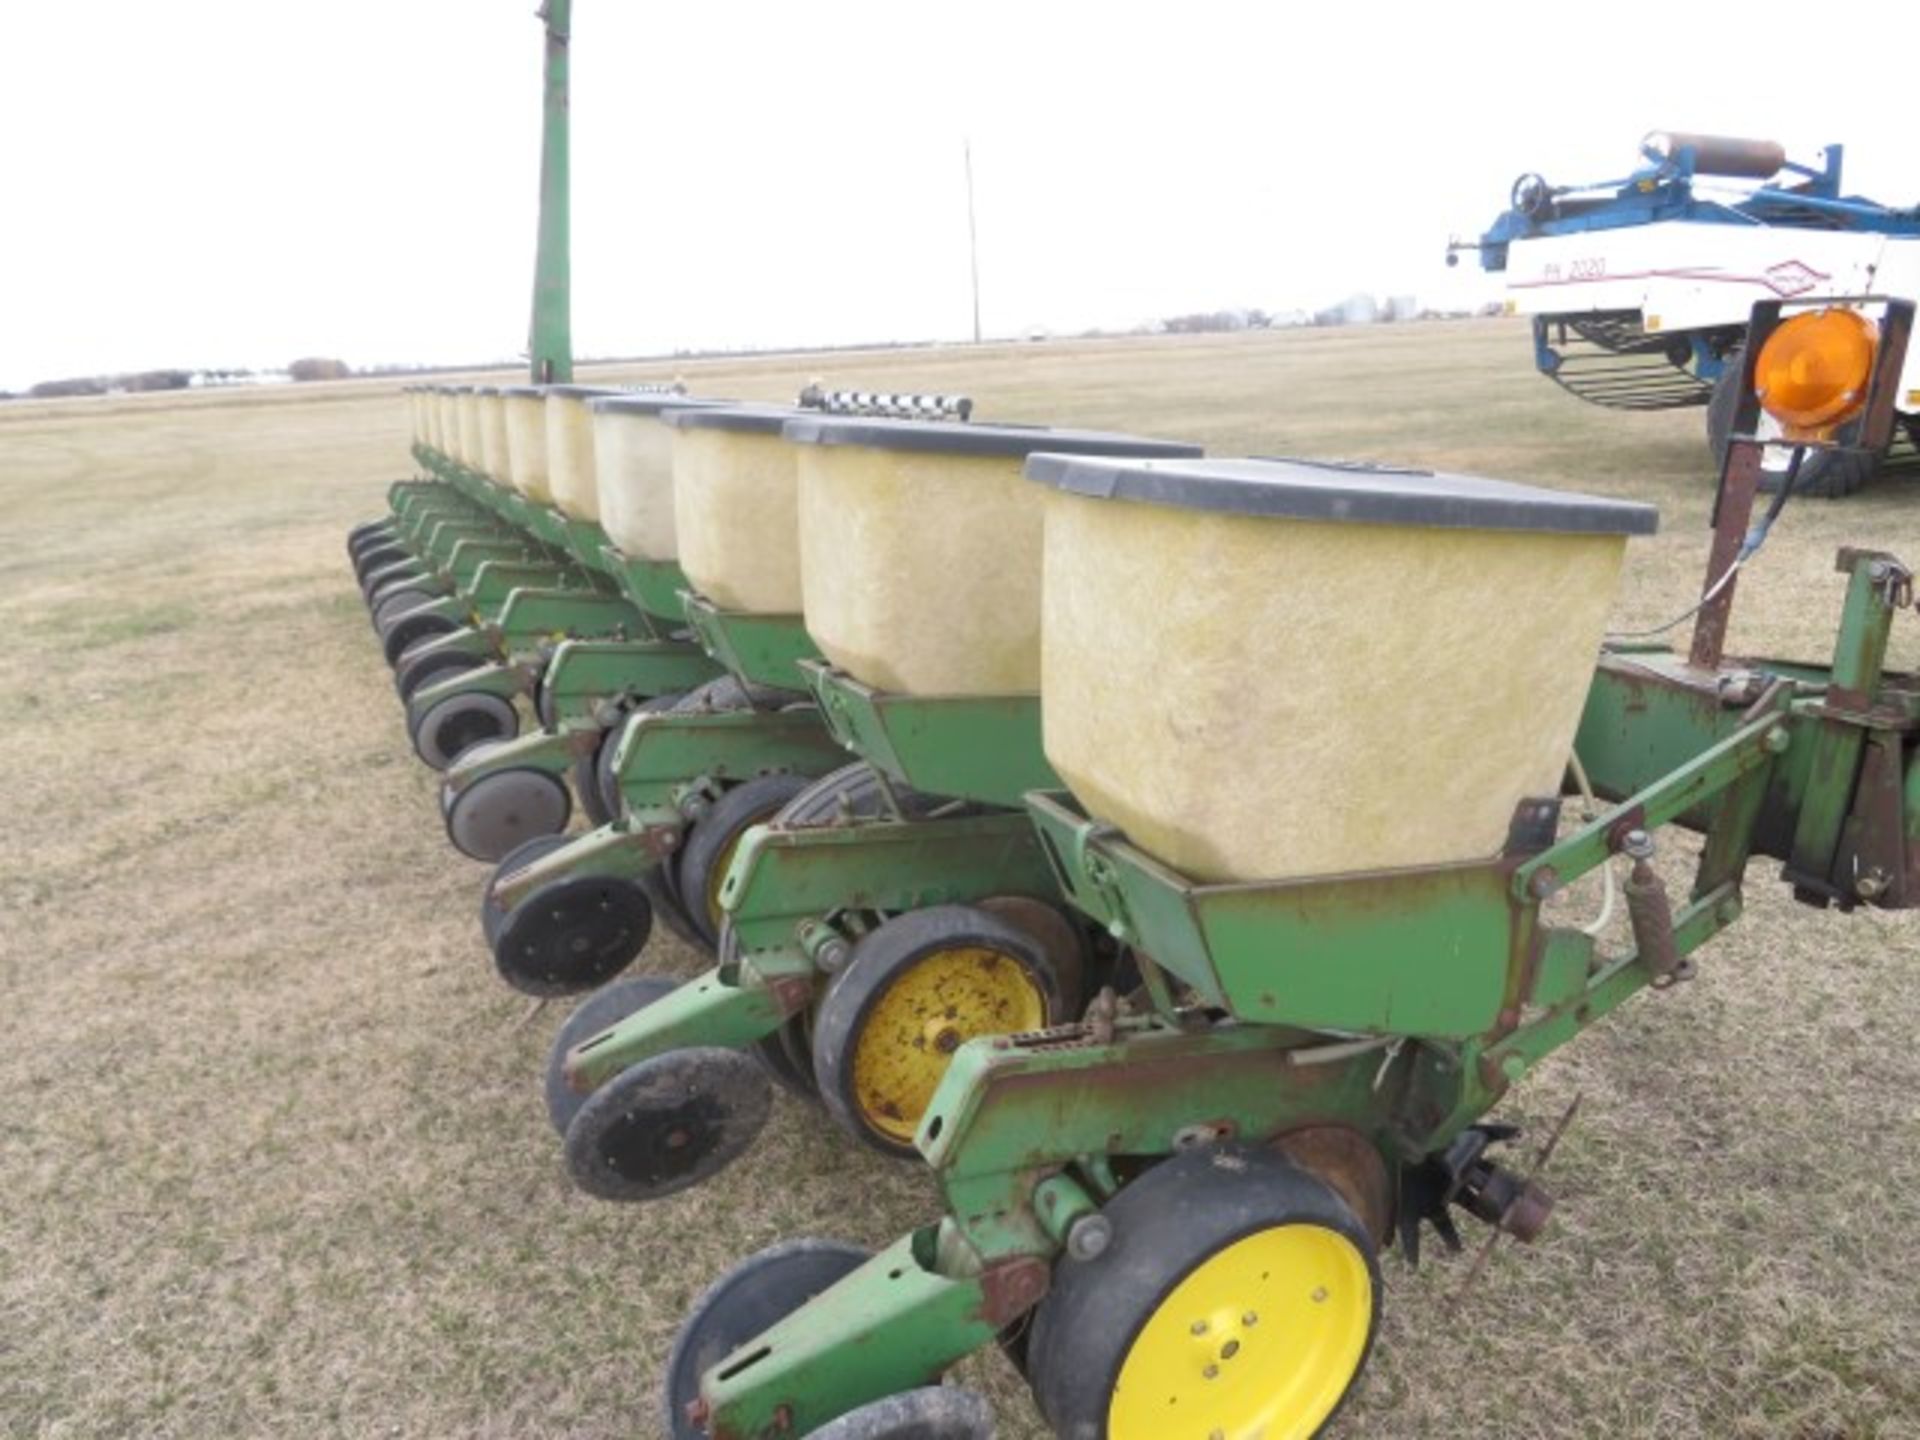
x=1813, y=371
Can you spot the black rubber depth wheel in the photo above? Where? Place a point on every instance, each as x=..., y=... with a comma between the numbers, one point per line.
x=375, y=557
x=934, y=1412
x=1830, y=474
x=492, y=917
x=393, y=601
x=748, y=1300
x=417, y=671
x=572, y=935
x=448, y=728
x=409, y=630
x=667, y=1124
x=604, y=1008
x=1241, y=1288
x=585, y=774
x=503, y=810
x=912, y=993
x=365, y=533
x=716, y=835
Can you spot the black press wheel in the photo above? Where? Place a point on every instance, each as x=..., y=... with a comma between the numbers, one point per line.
x=409, y=630
x=424, y=667
x=912, y=993
x=748, y=1300
x=448, y=728
x=393, y=601
x=1237, y=1292
x=934, y=1412
x=366, y=533
x=503, y=810
x=572, y=935
x=713, y=839
x=585, y=774
x=667, y=1123
x=492, y=917
x=377, y=556
x=604, y=1008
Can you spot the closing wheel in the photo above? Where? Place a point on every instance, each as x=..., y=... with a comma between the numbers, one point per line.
x=365, y=533
x=572, y=935
x=394, y=601
x=936, y=1412
x=373, y=557
x=505, y=809
x=585, y=773
x=1238, y=1293
x=713, y=839
x=492, y=917
x=450, y=727
x=748, y=1300
x=606, y=1007
x=410, y=630
x=415, y=671
x=667, y=1123
x=914, y=991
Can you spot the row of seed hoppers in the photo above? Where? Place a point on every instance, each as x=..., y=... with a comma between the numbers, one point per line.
x=1155, y=846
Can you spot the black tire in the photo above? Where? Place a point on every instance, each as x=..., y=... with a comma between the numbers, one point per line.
x=448, y=728
x=376, y=557
x=393, y=601
x=604, y=1008
x=1827, y=474
x=711, y=840
x=492, y=917
x=365, y=533
x=417, y=671
x=934, y=1412
x=748, y=1300
x=667, y=1124
x=1166, y=1223
x=500, y=812
x=408, y=630
x=573, y=935
x=849, y=1012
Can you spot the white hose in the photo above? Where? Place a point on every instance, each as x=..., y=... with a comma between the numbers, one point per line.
x=1590, y=811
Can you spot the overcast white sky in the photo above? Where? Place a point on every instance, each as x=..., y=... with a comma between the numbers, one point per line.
x=238, y=182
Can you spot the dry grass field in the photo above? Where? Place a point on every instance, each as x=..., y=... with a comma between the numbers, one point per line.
x=273, y=1159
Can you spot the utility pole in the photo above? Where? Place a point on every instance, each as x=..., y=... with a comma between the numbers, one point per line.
x=973, y=239
x=550, y=337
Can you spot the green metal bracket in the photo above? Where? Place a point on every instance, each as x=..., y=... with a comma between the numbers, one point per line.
x=718, y=1009
x=660, y=755
x=585, y=675
x=495, y=582
x=759, y=649
x=893, y=1324
x=1361, y=952
x=550, y=752
x=781, y=879
x=629, y=846
x=977, y=747
x=532, y=618
x=655, y=586
x=1013, y=1109
x=505, y=681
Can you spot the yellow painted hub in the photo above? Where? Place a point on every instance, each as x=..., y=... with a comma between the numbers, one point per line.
x=1259, y=1342
x=930, y=1010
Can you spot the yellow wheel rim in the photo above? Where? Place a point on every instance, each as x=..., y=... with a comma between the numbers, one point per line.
x=931, y=1009
x=717, y=876
x=1258, y=1343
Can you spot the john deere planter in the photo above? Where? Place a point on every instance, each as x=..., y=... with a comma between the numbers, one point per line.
x=1170, y=1211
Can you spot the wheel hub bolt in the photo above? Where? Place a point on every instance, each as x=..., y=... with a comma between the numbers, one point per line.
x=1320, y=1295
x=1199, y=1327
x=1250, y=1319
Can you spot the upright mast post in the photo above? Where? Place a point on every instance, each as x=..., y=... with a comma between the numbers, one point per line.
x=550, y=341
